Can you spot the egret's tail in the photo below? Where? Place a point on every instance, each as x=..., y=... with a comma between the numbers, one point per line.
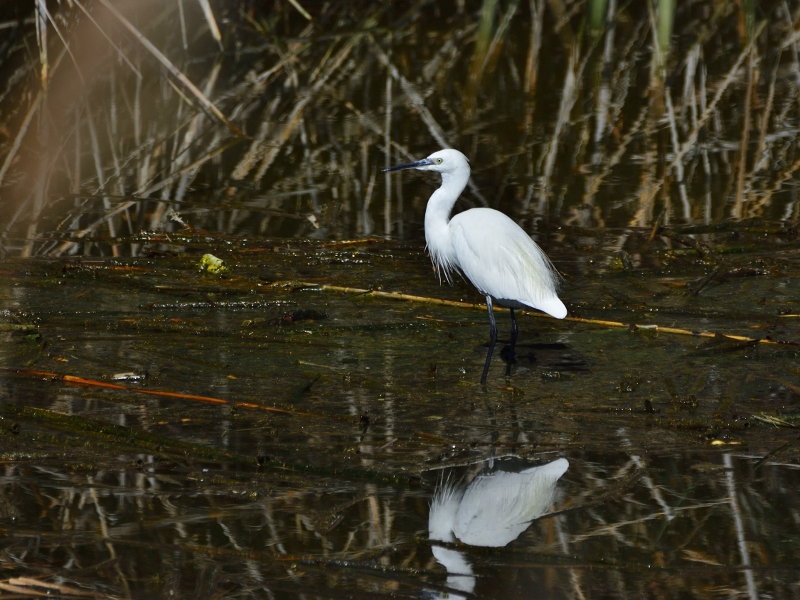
x=553, y=306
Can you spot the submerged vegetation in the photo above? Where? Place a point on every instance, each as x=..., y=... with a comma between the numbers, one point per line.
x=226, y=369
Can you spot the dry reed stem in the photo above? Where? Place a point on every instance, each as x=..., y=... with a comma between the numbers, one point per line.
x=622, y=70
x=485, y=26
x=149, y=144
x=673, y=129
x=286, y=131
x=455, y=303
x=418, y=102
x=16, y=23
x=649, y=186
x=730, y=77
x=300, y=9
x=615, y=158
x=63, y=41
x=377, y=129
x=761, y=156
x=190, y=134
x=150, y=190
x=568, y=97
x=561, y=26
x=98, y=164
x=292, y=59
x=12, y=153
x=492, y=53
x=25, y=586
x=706, y=29
x=23, y=129
x=608, y=163
x=603, y=93
x=204, y=102
x=387, y=139
x=254, y=152
x=573, y=84
x=84, y=382
x=195, y=164
x=212, y=23
x=413, y=95
x=262, y=78
x=782, y=178
x=534, y=44
x=689, y=90
x=182, y=18
x=744, y=142
x=40, y=8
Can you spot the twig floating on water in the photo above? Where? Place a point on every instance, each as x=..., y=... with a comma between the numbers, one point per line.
x=615, y=324
x=115, y=386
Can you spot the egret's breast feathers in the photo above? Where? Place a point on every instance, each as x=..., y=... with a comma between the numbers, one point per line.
x=440, y=247
x=444, y=264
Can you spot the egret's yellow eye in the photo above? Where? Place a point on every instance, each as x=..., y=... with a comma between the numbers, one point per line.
x=438, y=161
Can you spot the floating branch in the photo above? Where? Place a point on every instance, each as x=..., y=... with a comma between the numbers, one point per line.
x=615, y=324
x=81, y=381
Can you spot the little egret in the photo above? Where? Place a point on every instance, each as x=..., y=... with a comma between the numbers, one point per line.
x=487, y=247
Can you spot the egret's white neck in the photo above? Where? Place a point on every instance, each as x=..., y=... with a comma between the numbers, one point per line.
x=437, y=219
x=441, y=202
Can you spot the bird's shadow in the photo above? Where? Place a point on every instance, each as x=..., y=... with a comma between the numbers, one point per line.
x=555, y=356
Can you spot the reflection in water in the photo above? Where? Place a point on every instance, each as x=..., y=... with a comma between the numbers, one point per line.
x=492, y=510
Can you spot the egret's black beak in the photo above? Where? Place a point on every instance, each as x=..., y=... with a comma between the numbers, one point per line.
x=420, y=163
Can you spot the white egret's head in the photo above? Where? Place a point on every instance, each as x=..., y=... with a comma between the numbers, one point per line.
x=443, y=161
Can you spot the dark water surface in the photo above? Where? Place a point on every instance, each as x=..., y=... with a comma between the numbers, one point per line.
x=341, y=412
x=308, y=422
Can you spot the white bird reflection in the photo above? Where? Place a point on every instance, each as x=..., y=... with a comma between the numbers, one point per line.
x=492, y=510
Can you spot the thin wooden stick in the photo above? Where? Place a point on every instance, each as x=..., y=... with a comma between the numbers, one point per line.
x=615, y=324
x=82, y=381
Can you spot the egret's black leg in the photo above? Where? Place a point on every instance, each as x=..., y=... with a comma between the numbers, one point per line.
x=514, y=330
x=512, y=357
x=492, y=339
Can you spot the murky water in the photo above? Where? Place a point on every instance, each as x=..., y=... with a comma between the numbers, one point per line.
x=308, y=423
x=341, y=412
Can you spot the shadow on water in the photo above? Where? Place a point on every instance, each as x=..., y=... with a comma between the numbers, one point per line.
x=228, y=371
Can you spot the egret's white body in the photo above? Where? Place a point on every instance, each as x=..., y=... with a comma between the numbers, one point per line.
x=492, y=251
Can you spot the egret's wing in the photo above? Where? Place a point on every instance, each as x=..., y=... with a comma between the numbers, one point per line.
x=501, y=260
